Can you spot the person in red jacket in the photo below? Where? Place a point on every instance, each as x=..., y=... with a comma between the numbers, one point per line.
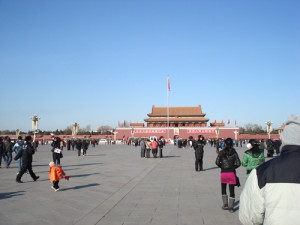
x=154, y=148
x=56, y=173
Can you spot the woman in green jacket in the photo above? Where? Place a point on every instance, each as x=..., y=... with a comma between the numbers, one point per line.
x=252, y=157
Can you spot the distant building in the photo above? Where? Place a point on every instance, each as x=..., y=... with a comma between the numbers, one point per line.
x=178, y=117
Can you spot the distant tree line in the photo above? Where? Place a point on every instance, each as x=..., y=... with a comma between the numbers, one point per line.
x=253, y=129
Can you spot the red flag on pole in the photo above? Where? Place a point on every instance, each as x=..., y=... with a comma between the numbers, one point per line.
x=228, y=122
x=124, y=123
x=235, y=122
x=215, y=122
x=169, y=84
x=222, y=121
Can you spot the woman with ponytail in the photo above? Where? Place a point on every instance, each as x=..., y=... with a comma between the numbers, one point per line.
x=228, y=160
x=253, y=157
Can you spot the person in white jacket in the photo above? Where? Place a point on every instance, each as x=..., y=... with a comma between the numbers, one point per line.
x=272, y=191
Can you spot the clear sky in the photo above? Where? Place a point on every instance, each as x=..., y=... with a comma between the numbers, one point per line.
x=98, y=62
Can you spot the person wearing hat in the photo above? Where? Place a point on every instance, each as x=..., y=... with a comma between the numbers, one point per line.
x=272, y=191
x=26, y=153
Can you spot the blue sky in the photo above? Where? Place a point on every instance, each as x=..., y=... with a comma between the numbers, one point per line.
x=100, y=62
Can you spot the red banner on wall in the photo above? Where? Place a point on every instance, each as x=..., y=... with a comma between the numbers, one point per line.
x=201, y=131
x=149, y=131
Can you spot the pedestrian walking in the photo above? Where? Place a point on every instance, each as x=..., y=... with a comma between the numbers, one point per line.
x=18, y=147
x=228, y=160
x=253, y=157
x=199, y=153
x=84, y=147
x=2, y=152
x=26, y=153
x=8, y=146
x=271, y=193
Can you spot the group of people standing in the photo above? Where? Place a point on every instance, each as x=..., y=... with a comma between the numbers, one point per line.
x=155, y=146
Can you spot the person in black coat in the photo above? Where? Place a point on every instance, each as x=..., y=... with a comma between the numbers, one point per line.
x=199, y=152
x=84, y=147
x=26, y=153
x=78, y=146
x=228, y=160
x=55, y=155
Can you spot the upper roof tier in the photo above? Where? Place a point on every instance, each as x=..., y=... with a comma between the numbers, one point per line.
x=176, y=111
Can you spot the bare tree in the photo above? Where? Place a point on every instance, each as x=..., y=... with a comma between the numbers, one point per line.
x=104, y=129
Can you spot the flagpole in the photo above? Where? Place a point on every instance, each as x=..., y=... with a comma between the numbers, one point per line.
x=168, y=112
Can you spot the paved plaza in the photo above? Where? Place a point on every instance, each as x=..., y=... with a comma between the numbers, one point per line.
x=112, y=185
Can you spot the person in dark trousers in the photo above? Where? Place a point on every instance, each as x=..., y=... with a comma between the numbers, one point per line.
x=8, y=146
x=2, y=151
x=55, y=153
x=84, y=147
x=18, y=147
x=199, y=152
x=26, y=154
x=154, y=148
x=143, y=147
x=78, y=146
x=160, y=147
x=228, y=160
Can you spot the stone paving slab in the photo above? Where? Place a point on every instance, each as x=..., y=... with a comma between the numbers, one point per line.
x=113, y=185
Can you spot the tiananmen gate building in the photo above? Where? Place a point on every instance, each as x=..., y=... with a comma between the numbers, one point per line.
x=183, y=122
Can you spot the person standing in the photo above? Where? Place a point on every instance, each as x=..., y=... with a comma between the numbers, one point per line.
x=8, y=146
x=253, y=157
x=18, y=147
x=270, y=148
x=160, y=146
x=78, y=146
x=56, y=151
x=199, y=153
x=148, y=148
x=142, y=144
x=271, y=193
x=2, y=155
x=262, y=146
x=277, y=144
x=228, y=160
x=84, y=147
x=26, y=153
x=154, y=148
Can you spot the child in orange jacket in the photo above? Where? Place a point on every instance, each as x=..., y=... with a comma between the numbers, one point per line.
x=56, y=173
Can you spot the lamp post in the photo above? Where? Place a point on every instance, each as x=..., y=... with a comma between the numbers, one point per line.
x=217, y=132
x=235, y=134
x=35, y=124
x=17, y=132
x=75, y=127
x=269, y=128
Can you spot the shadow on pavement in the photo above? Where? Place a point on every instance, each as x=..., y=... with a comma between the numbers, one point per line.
x=86, y=164
x=10, y=194
x=84, y=175
x=80, y=187
x=212, y=168
x=171, y=156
